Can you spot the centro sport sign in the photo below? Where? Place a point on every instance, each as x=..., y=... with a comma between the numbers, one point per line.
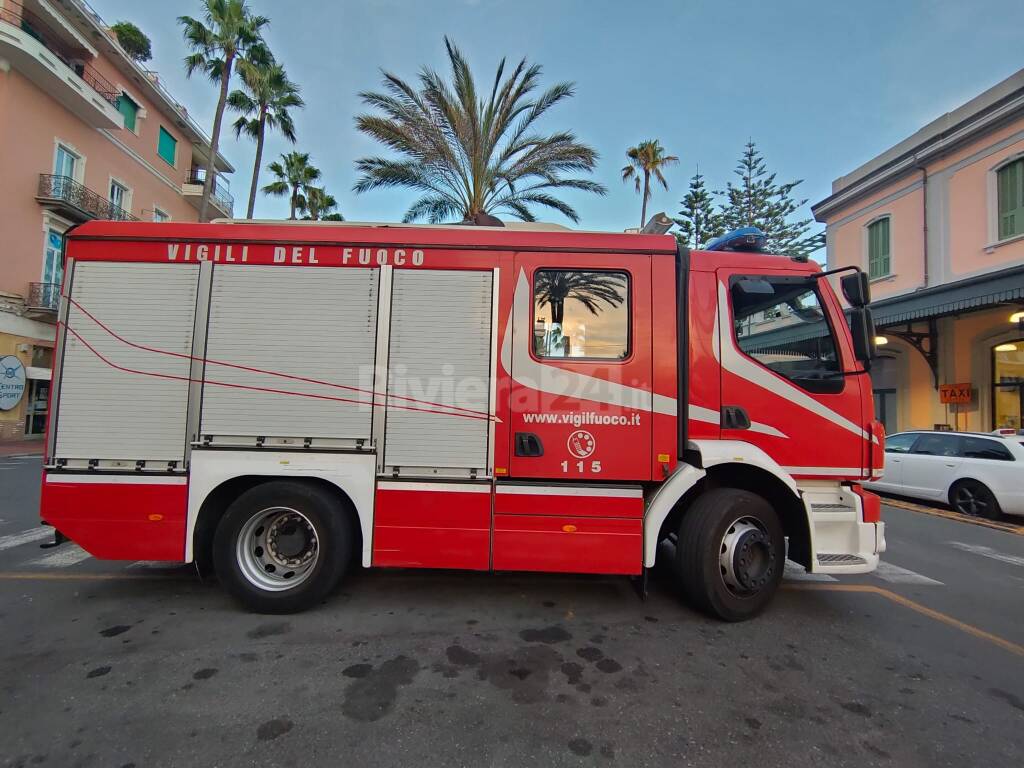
x=12, y=382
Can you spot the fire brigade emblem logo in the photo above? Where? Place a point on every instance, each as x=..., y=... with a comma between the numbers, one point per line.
x=581, y=443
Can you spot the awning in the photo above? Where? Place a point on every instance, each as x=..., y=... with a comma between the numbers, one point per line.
x=39, y=374
x=1005, y=286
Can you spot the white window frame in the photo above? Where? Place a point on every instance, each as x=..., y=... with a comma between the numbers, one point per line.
x=992, y=185
x=866, y=247
x=58, y=142
x=157, y=209
x=57, y=224
x=127, y=198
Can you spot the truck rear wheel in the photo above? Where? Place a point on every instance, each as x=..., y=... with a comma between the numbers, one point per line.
x=281, y=547
x=730, y=554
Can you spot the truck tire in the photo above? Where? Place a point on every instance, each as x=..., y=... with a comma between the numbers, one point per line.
x=281, y=547
x=730, y=554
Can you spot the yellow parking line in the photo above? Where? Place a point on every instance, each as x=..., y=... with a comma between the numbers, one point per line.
x=1007, y=527
x=1006, y=645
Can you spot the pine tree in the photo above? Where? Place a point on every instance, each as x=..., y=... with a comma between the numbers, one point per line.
x=758, y=201
x=698, y=221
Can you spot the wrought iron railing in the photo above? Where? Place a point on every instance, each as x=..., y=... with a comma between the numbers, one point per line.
x=17, y=16
x=221, y=190
x=92, y=205
x=45, y=296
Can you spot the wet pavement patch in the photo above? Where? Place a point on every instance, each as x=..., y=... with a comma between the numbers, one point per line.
x=609, y=666
x=461, y=657
x=373, y=696
x=357, y=670
x=549, y=635
x=114, y=631
x=204, y=674
x=581, y=747
x=271, y=729
x=98, y=672
x=269, y=630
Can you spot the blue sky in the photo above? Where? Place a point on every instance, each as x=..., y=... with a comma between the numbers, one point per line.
x=820, y=86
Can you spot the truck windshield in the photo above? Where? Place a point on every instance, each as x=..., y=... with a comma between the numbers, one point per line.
x=780, y=323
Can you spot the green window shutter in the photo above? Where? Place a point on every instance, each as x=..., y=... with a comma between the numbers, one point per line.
x=1010, y=184
x=878, y=249
x=167, y=146
x=129, y=109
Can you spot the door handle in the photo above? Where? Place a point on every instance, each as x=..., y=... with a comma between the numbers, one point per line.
x=951, y=465
x=734, y=417
x=528, y=444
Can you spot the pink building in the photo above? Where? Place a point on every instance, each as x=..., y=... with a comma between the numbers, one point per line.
x=85, y=133
x=937, y=221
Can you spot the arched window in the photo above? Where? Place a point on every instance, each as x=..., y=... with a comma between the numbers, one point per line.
x=1008, y=384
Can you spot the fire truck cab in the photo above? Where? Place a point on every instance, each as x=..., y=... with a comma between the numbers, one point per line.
x=280, y=401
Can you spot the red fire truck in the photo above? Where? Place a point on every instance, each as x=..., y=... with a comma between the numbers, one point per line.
x=283, y=401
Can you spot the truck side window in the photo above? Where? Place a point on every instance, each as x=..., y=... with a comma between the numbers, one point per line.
x=581, y=314
x=780, y=323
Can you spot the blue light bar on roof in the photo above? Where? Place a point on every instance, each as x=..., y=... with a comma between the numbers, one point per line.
x=742, y=239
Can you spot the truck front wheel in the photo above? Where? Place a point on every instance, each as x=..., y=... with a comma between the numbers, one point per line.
x=730, y=553
x=281, y=547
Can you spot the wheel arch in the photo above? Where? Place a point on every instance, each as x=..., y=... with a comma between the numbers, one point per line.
x=217, y=501
x=730, y=464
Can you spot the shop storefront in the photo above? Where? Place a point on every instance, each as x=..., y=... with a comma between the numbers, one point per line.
x=26, y=364
x=968, y=333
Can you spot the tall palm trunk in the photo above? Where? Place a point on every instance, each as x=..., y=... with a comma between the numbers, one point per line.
x=294, y=197
x=211, y=172
x=647, y=194
x=258, y=163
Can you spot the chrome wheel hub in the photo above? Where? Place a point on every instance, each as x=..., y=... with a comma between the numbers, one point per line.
x=747, y=558
x=277, y=549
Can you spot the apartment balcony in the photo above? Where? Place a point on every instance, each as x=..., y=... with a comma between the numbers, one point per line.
x=58, y=63
x=221, y=200
x=65, y=196
x=43, y=300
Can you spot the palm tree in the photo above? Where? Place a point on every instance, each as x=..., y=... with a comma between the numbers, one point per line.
x=227, y=33
x=469, y=154
x=263, y=101
x=591, y=289
x=647, y=159
x=295, y=177
x=321, y=205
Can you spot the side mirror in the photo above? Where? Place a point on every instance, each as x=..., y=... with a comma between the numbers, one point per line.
x=856, y=289
x=862, y=331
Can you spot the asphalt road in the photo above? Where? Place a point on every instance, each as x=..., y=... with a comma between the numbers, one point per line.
x=118, y=664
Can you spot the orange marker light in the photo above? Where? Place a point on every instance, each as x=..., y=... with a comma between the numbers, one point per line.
x=156, y=518
x=569, y=528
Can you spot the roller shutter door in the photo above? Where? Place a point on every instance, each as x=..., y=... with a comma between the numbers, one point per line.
x=309, y=334
x=439, y=356
x=118, y=400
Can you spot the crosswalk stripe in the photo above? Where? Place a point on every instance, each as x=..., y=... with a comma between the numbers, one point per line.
x=988, y=552
x=794, y=572
x=896, y=575
x=25, y=537
x=66, y=555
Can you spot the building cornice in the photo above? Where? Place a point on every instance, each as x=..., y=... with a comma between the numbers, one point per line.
x=1004, y=103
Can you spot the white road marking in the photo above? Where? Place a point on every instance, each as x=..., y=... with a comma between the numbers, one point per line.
x=25, y=537
x=977, y=549
x=896, y=575
x=795, y=572
x=67, y=554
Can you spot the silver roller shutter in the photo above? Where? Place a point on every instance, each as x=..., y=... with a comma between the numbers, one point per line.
x=286, y=321
x=439, y=353
x=106, y=411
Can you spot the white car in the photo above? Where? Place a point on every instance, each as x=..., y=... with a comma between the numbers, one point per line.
x=976, y=473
